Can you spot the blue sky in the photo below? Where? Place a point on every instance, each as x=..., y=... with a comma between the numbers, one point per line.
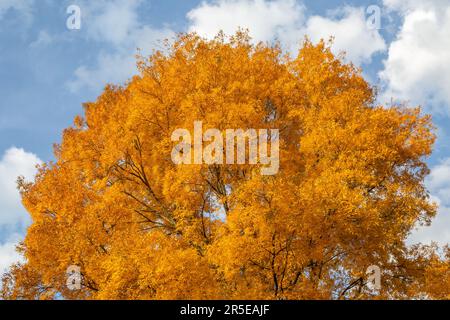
x=47, y=71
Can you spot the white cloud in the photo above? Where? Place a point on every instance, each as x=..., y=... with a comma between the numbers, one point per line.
x=15, y=162
x=43, y=39
x=438, y=182
x=416, y=68
x=349, y=27
x=111, y=21
x=13, y=217
x=266, y=20
x=8, y=254
x=115, y=24
x=24, y=7
x=285, y=20
x=110, y=68
x=406, y=5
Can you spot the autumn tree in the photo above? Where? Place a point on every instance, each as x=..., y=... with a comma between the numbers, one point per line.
x=349, y=190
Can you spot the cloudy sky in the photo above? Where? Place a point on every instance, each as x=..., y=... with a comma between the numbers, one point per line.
x=48, y=70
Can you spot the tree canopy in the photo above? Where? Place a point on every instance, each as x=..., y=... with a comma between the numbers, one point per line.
x=349, y=190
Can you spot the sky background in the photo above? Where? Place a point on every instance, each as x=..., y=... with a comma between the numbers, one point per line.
x=48, y=70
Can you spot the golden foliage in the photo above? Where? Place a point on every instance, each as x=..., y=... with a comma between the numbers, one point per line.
x=348, y=193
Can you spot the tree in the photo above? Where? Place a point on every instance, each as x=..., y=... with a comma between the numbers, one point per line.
x=348, y=192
